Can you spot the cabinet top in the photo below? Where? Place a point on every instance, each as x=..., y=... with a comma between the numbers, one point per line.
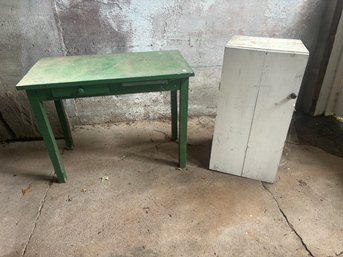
x=295, y=46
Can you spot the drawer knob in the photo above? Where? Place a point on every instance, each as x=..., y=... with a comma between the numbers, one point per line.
x=81, y=91
x=293, y=96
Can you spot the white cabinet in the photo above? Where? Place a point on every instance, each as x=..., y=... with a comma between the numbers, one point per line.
x=260, y=80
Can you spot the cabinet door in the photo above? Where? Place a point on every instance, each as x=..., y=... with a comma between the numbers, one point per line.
x=240, y=80
x=281, y=76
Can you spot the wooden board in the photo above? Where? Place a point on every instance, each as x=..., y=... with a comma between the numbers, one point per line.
x=97, y=69
x=237, y=98
x=282, y=76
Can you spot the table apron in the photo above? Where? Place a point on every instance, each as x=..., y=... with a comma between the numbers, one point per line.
x=104, y=90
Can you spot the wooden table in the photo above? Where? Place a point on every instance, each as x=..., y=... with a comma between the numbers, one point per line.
x=57, y=78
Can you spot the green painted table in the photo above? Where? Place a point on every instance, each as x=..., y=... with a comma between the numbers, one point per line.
x=57, y=78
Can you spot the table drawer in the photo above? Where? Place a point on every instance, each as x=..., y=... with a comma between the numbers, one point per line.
x=80, y=91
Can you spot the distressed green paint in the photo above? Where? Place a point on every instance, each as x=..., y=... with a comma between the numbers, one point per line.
x=59, y=78
x=62, y=116
x=103, y=90
x=101, y=69
x=183, y=123
x=48, y=136
x=173, y=103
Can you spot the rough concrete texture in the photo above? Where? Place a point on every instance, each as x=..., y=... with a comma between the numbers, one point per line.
x=315, y=178
x=20, y=166
x=27, y=33
x=148, y=207
x=32, y=29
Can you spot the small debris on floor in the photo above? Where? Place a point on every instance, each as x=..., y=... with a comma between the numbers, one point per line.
x=146, y=209
x=69, y=199
x=302, y=183
x=104, y=178
x=26, y=189
x=83, y=190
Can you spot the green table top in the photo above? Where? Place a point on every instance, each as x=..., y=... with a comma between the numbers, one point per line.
x=100, y=69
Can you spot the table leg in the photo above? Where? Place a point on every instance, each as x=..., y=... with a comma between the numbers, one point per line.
x=48, y=136
x=173, y=102
x=62, y=116
x=183, y=123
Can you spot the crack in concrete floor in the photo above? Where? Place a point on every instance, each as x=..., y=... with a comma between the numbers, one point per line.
x=43, y=201
x=290, y=225
x=39, y=212
x=35, y=227
x=287, y=221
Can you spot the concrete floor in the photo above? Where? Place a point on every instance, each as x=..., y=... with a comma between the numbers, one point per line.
x=148, y=207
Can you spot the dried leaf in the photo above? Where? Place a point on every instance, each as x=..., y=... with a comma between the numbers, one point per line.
x=27, y=189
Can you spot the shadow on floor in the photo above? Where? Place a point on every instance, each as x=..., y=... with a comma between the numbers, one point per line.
x=322, y=132
x=199, y=153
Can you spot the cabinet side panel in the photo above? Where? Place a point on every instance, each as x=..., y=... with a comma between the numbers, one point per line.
x=282, y=75
x=238, y=91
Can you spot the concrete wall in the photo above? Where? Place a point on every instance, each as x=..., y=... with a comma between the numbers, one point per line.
x=32, y=29
x=319, y=58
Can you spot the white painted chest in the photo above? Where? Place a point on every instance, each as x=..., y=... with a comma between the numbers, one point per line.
x=260, y=80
